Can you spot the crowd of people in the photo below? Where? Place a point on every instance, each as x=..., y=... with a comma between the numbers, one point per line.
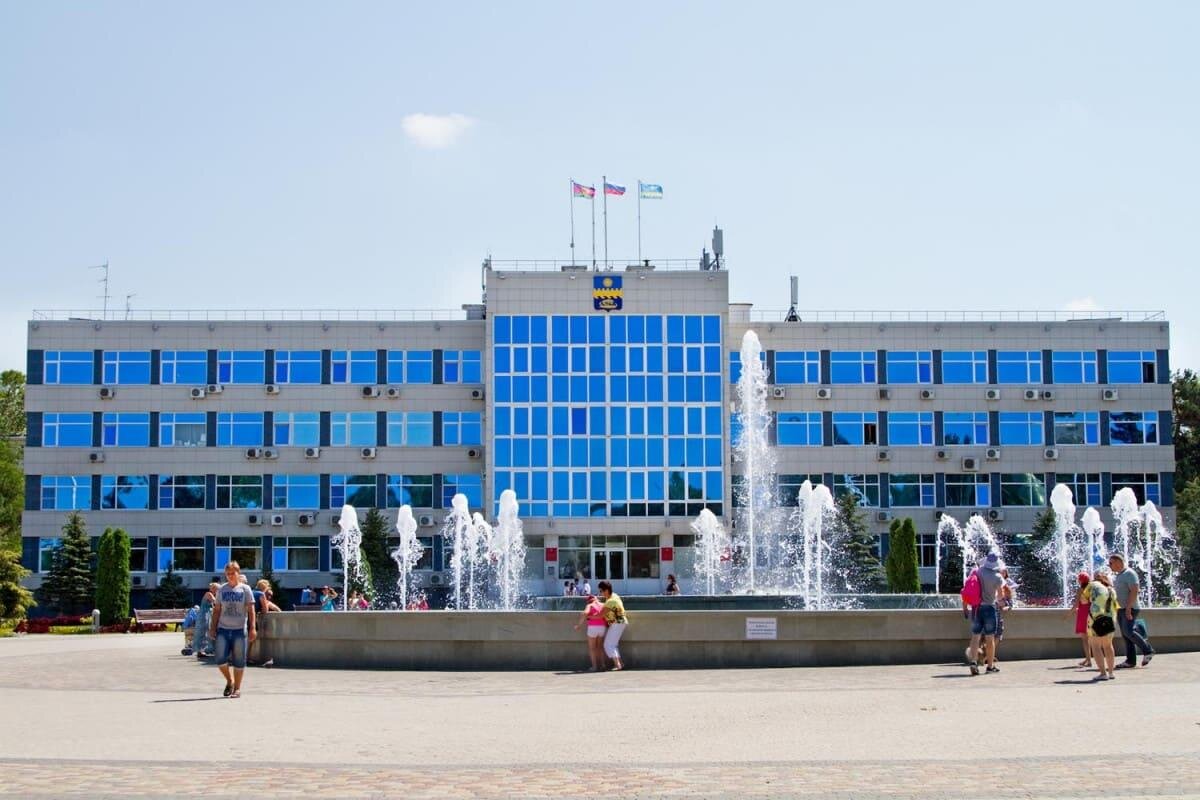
x=1105, y=602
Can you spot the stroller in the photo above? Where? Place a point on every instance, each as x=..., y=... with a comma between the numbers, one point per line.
x=196, y=636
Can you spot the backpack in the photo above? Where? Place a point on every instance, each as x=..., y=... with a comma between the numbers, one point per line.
x=972, y=590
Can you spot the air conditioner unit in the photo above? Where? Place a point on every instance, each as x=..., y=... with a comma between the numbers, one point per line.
x=1051, y=453
x=277, y=520
x=883, y=516
x=254, y=519
x=992, y=454
x=254, y=452
x=335, y=519
x=970, y=464
x=992, y=394
x=885, y=393
x=474, y=452
x=477, y=394
x=215, y=388
x=1048, y=394
x=306, y=520
x=882, y=455
x=435, y=579
x=367, y=452
x=425, y=520
x=1032, y=394
x=312, y=452
x=197, y=393
x=928, y=394
x=995, y=514
x=779, y=392
x=270, y=452
x=96, y=457
x=137, y=580
x=393, y=392
x=824, y=393
x=370, y=391
x=938, y=513
x=942, y=455
x=107, y=392
x=271, y=388
x=1109, y=395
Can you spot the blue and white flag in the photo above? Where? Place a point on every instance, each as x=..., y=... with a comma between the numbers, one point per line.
x=649, y=191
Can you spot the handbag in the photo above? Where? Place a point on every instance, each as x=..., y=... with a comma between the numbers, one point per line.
x=1103, y=624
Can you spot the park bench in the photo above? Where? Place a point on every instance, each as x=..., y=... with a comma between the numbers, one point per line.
x=158, y=616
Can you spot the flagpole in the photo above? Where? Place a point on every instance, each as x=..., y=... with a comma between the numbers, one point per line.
x=604, y=188
x=572, y=190
x=639, y=183
x=593, y=204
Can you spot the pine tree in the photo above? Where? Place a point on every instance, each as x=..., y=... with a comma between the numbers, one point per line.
x=377, y=560
x=70, y=586
x=15, y=599
x=170, y=592
x=902, y=573
x=950, y=574
x=860, y=549
x=1038, y=579
x=112, y=576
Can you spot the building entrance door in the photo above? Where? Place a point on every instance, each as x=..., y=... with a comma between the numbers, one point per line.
x=608, y=564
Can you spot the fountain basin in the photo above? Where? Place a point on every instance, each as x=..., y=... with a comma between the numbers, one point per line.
x=544, y=640
x=756, y=602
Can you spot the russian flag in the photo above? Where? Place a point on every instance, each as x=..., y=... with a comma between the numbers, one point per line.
x=612, y=188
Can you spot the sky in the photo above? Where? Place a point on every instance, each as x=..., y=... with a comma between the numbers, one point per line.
x=297, y=155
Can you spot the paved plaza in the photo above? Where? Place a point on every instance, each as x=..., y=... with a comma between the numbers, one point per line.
x=127, y=716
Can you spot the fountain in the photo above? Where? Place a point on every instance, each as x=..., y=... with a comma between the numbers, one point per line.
x=408, y=553
x=506, y=548
x=1125, y=518
x=712, y=551
x=462, y=537
x=813, y=507
x=974, y=540
x=754, y=450
x=1093, y=529
x=1064, y=526
x=348, y=541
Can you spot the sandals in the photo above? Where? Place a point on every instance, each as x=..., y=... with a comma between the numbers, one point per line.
x=228, y=689
x=235, y=694
x=1085, y=663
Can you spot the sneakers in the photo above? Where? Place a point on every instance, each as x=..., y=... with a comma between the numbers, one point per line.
x=992, y=669
x=1146, y=660
x=1126, y=665
x=974, y=668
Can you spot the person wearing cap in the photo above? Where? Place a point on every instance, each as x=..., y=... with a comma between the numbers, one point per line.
x=985, y=618
x=1125, y=582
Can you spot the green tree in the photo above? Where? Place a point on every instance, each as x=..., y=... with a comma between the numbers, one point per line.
x=1185, y=391
x=377, y=559
x=12, y=495
x=902, y=561
x=70, y=585
x=860, y=551
x=1037, y=576
x=12, y=404
x=15, y=599
x=112, y=576
x=170, y=592
x=1187, y=534
x=950, y=572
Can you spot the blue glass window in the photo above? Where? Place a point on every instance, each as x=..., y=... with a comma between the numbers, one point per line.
x=355, y=490
x=125, y=492
x=465, y=484
x=410, y=490
x=1132, y=366
x=297, y=428
x=183, y=366
x=1085, y=487
x=410, y=428
x=74, y=367
x=855, y=428
x=354, y=366
x=964, y=366
x=395, y=366
x=907, y=428
x=66, y=492
x=735, y=365
x=799, y=428
x=910, y=366
x=420, y=366
x=465, y=427
x=240, y=429
x=354, y=429
x=464, y=366
x=1076, y=427
x=127, y=367
x=800, y=366
x=66, y=430
x=239, y=491
x=910, y=490
x=297, y=366
x=1074, y=366
x=181, y=492
x=968, y=491
x=1133, y=427
x=864, y=487
x=852, y=366
x=965, y=427
x=126, y=429
x=1019, y=366
x=1022, y=489
x=241, y=366
x=296, y=491
x=1145, y=485
x=1021, y=428
x=182, y=429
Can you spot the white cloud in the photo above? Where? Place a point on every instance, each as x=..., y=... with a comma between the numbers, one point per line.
x=435, y=131
x=1082, y=304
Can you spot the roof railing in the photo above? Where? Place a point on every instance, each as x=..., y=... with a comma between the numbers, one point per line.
x=892, y=315
x=585, y=263
x=255, y=315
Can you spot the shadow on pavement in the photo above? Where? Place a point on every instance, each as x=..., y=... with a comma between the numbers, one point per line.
x=1084, y=682
x=190, y=700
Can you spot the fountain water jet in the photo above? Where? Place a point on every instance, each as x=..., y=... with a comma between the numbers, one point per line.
x=1125, y=517
x=1093, y=528
x=712, y=550
x=348, y=542
x=408, y=553
x=463, y=539
x=506, y=545
x=1064, y=523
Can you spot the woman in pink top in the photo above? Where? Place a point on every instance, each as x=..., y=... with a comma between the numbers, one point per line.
x=593, y=615
x=1083, y=608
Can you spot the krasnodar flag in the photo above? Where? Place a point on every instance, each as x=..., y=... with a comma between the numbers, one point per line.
x=649, y=191
x=583, y=191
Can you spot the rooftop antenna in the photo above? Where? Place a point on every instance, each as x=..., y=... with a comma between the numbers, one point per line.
x=718, y=245
x=792, y=316
x=128, y=297
x=104, y=281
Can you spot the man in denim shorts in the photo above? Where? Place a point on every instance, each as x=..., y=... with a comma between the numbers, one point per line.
x=232, y=624
x=985, y=620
